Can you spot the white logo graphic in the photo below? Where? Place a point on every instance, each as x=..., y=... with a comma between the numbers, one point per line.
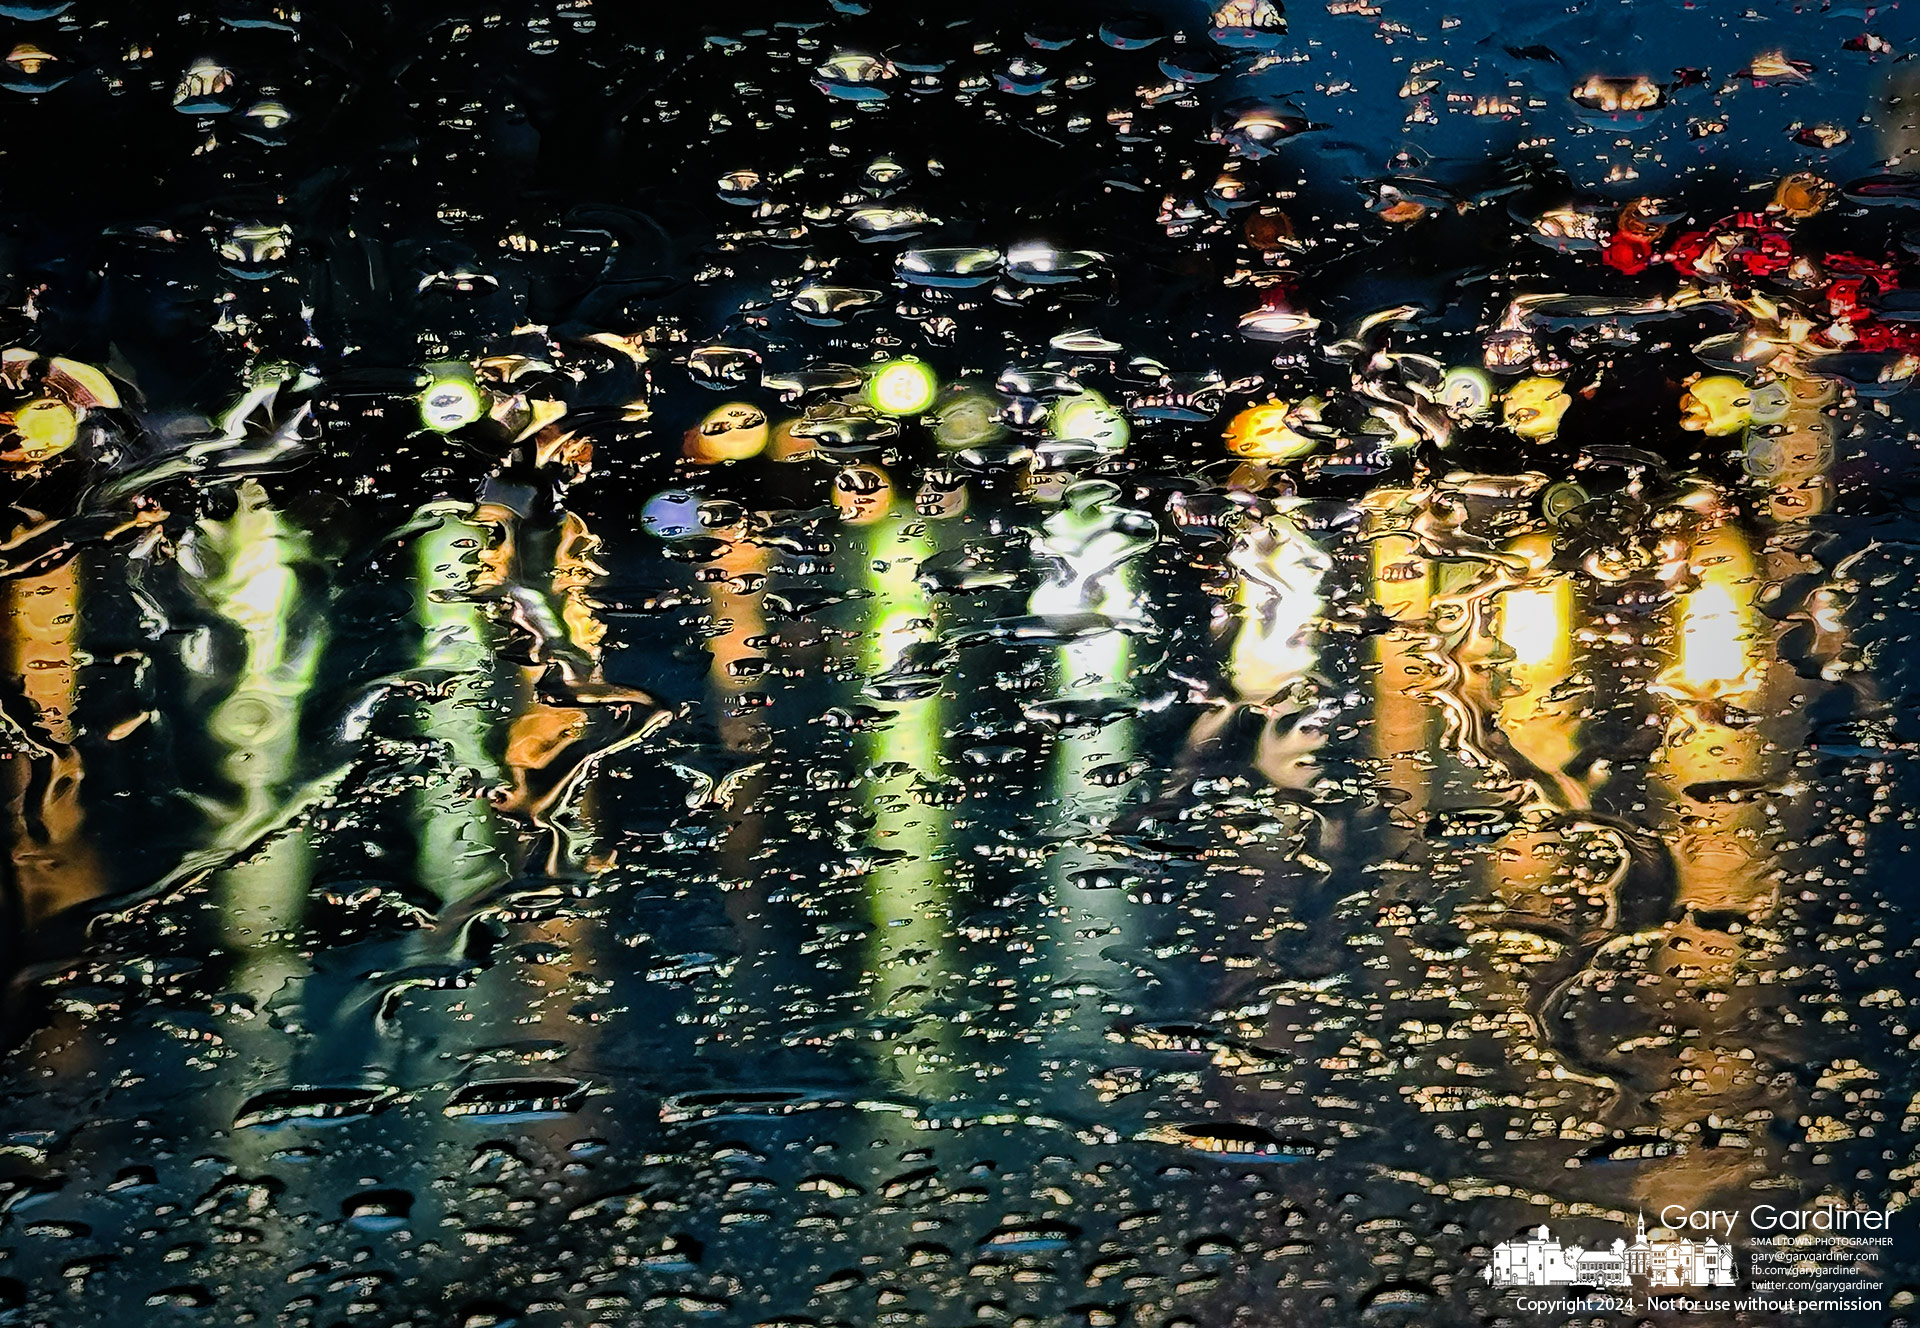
x=1541, y=1260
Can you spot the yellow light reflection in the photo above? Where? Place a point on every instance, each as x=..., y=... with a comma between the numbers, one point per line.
x=733, y=432
x=1271, y=431
x=1402, y=585
x=1713, y=657
x=53, y=861
x=1536, y=625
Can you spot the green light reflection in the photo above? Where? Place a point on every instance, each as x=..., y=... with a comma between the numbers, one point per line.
x=910, y=946
x=459, y=852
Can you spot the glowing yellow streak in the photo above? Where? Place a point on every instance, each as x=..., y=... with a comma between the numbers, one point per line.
x=1402, y=585
x=1536, y=624
x=1716, y=648
x=1713, y=640
x=1718, y=858
x=53, y=862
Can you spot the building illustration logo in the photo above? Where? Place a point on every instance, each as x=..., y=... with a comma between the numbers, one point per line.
x=1541, y=1260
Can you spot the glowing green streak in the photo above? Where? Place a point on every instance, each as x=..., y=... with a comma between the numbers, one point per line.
x=458, y=849
x=906, y=899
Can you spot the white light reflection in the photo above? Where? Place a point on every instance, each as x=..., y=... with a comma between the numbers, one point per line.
x=1089, y=539
x=1278, y=590
x=258, y=726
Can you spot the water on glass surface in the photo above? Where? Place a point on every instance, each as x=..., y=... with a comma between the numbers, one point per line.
x=844, y=664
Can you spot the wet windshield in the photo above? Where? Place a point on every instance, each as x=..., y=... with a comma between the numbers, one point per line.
x=856, y=664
